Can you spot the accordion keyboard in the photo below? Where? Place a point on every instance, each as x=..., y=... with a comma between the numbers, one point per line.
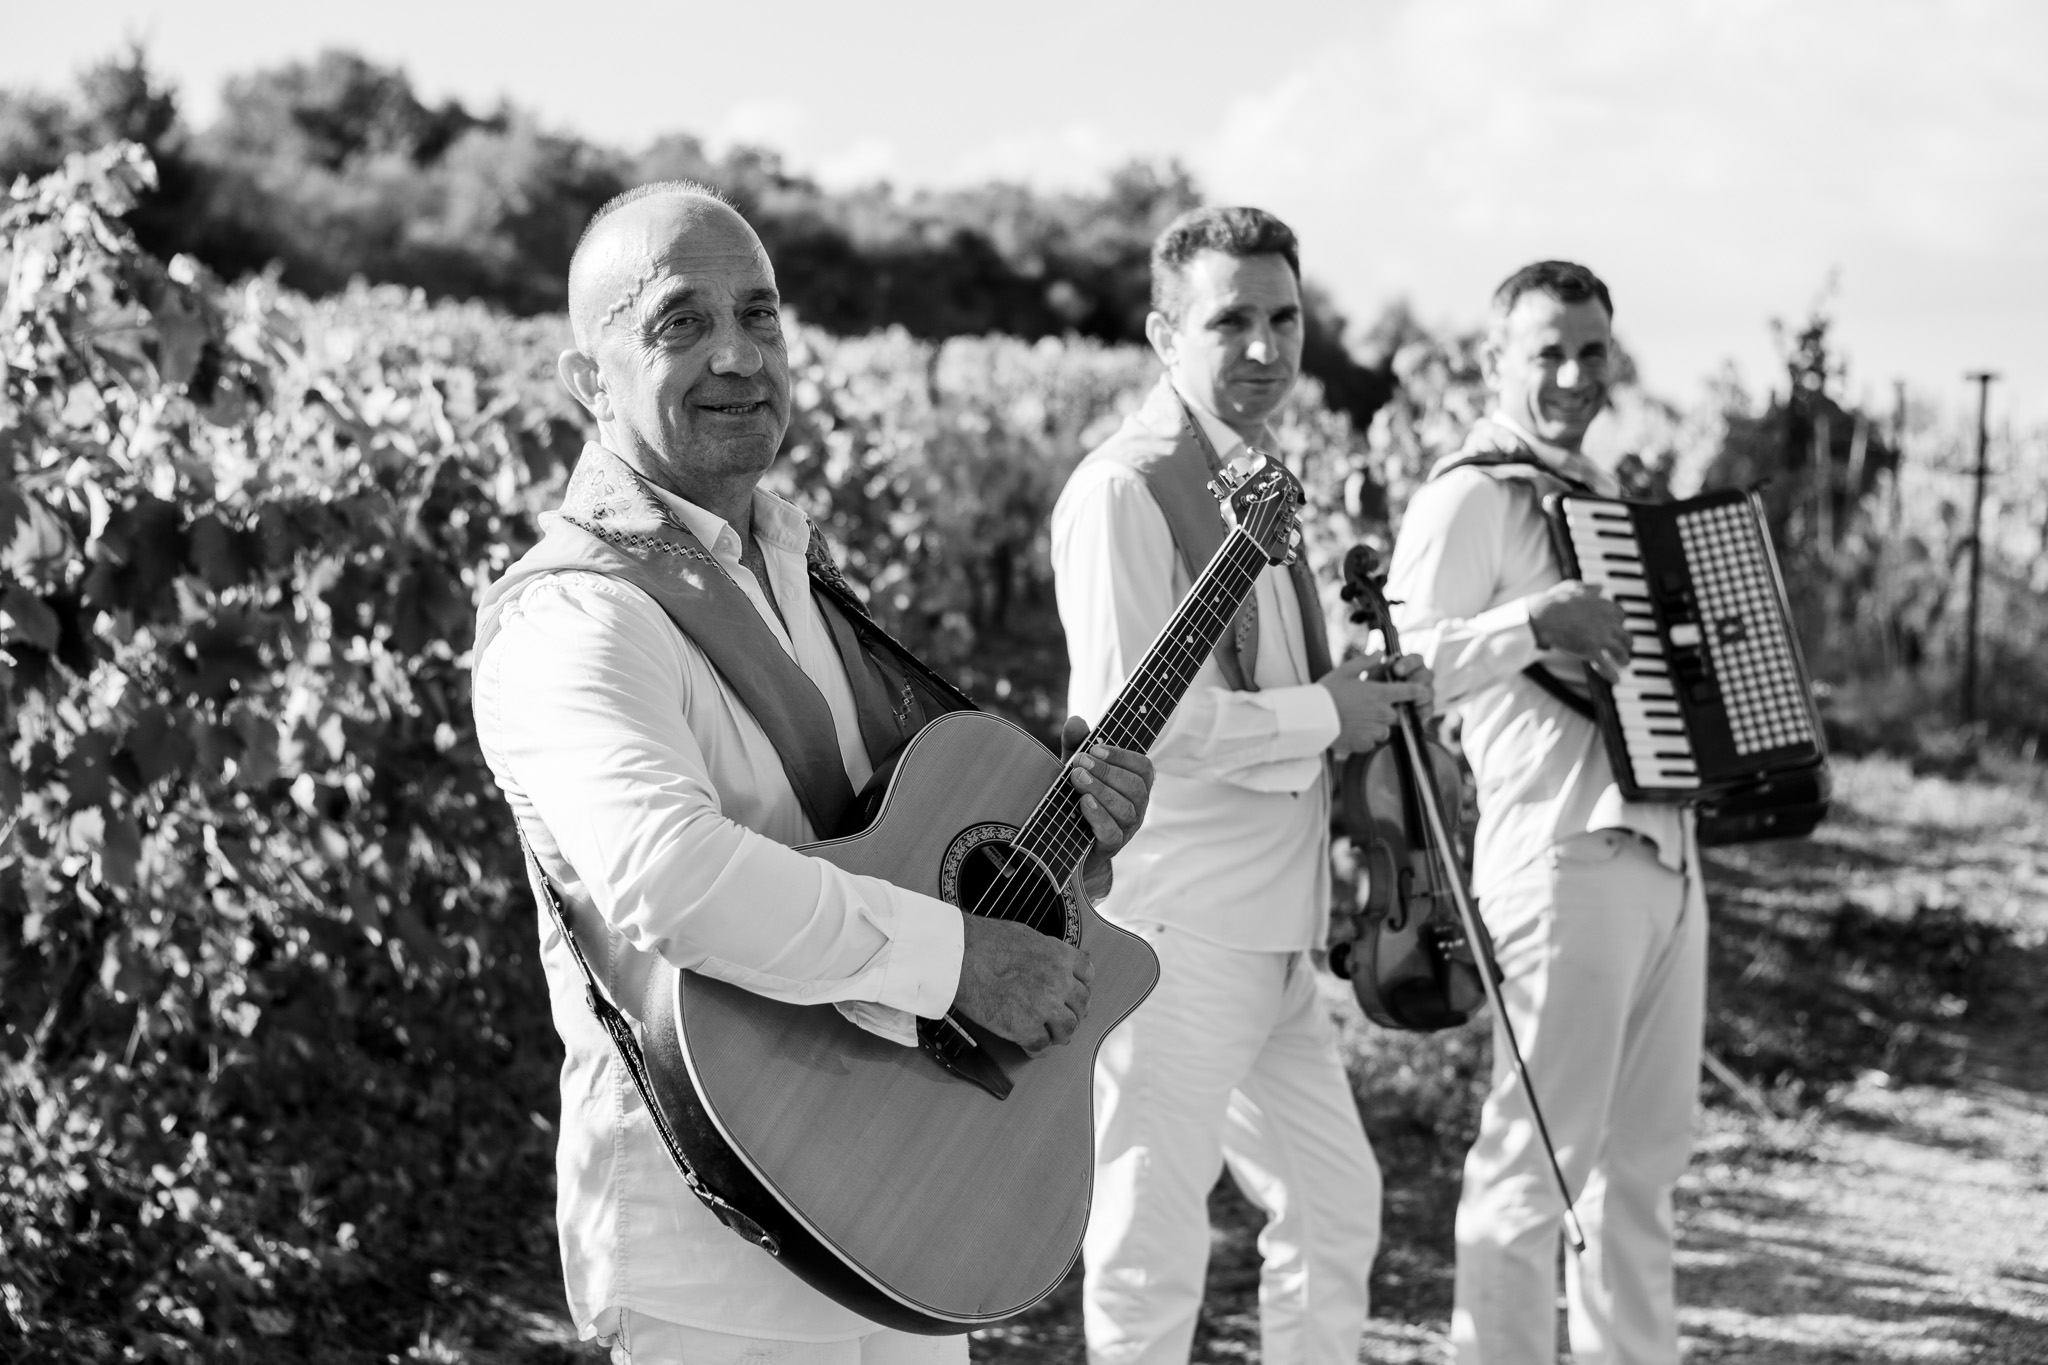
x=1645, y=697
x=1716, y=694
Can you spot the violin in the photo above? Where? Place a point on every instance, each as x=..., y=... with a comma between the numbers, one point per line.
x=1412, y=966
x=1422, y=960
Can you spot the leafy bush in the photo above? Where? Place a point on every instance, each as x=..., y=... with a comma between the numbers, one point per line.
x=266, y=1033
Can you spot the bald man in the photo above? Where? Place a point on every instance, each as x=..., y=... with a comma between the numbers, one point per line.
x=625, y=732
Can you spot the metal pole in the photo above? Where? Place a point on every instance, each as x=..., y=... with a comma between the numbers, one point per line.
x=1982, y=379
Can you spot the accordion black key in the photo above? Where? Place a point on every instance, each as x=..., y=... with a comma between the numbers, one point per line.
x=1715, y=708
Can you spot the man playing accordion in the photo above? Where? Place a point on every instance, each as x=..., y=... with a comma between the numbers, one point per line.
x=1594, y=903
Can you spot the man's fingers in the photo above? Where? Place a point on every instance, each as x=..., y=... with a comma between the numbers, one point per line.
x=1109, y=831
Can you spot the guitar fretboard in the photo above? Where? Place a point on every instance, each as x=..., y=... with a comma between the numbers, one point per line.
x=1057, y=834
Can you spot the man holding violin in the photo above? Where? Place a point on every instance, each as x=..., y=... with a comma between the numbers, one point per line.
x=1594, y=904
x=1231, y=1061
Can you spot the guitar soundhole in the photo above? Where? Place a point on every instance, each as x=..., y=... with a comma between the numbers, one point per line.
x=984, y=874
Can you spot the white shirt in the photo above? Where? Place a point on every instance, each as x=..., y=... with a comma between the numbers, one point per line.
x=656, y=801
x=1473, y=548
x=1235, y=845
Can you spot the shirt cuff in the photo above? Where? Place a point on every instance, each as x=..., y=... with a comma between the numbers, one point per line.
x=926, y=941
x=1508, y=630
x=1305, y=718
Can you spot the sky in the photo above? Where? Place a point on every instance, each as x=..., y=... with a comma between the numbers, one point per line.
x=1720, y=162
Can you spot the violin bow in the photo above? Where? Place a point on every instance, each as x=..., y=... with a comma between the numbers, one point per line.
x=1361, y=562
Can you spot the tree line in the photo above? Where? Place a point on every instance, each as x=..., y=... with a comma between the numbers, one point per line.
x=334, y=169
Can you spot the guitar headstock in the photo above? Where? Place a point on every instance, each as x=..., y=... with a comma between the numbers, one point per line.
x=1365, y=580
x=1265, y=500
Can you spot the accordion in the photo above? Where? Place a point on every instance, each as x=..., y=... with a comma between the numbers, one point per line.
x=1715, y=707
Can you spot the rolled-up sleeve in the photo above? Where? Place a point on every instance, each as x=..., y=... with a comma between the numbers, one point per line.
x=1114, y=572
x=587, y=693
x=1443, y=579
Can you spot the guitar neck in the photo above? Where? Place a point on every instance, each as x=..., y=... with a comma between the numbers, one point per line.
x=1057, y=834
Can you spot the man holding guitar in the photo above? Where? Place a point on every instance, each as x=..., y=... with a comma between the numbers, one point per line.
x=1594, y=903
x=661, y=793
x=1232, y=1060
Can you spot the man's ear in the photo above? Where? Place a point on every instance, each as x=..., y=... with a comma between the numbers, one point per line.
x=1160, y=331
x=580, y=377
x=1489, y=363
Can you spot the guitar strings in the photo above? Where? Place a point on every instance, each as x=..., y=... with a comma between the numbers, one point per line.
x=1143, y=708
x=1056, y=833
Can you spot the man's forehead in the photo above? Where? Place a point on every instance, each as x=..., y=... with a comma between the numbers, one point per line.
x=1221, y=276
x=665, y=268
x=1540, y=315
x=686, y=266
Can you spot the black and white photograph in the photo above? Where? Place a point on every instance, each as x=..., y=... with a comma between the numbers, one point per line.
x=1118, y=683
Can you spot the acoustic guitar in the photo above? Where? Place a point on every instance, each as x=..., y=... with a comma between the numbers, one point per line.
x=943, y=1188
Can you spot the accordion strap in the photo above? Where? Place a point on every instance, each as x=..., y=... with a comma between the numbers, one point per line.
x=1560, y=689
x=1574, y=701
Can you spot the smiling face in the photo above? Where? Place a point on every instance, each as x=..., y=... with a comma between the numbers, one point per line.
x=1235, y=349
x=680, y=354
x=1546, y=363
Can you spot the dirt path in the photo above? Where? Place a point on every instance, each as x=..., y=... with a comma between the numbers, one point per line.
x=1885, y=981
x=1905, y=1218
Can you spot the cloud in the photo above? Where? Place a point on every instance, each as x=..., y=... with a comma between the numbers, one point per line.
x=780, y=124
x=1075, y=155
x=1716, y=160
x=866, y=162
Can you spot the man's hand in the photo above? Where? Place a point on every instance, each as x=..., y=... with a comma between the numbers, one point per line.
x=1575, y=618
x=1029, y=987
x=1365, y=705
x=1115, y=787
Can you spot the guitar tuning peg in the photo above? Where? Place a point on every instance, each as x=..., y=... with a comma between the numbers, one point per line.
x=1215, y=489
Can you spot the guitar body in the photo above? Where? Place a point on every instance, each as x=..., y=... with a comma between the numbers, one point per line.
x=905, y=1193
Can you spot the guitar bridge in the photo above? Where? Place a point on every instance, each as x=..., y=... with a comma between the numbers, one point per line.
x=951, y=1042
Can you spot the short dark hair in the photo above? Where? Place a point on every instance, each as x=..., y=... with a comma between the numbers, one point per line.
x=1565, y=281
x=1232, y=231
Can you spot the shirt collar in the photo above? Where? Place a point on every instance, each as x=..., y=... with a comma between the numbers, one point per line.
x=1573, y=464
x=776, y=523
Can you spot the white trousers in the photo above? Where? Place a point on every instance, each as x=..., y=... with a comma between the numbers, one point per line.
x=1604, y=951
x=642, y=1340
x=1231, y=1060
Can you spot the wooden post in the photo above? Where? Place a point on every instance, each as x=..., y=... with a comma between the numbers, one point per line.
x=1982, y=379
x=1859, y=451
x=1824, y=482
x=1898, y=447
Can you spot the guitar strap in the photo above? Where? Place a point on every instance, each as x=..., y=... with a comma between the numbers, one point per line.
x=1315, y=635
x=611, y=525
x=620, y=1030
x=870, y=655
